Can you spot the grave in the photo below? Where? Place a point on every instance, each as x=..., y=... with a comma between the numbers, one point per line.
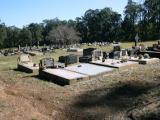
x=72, y=74
x=89, y=69
x=54, y=72
x=46, y=63
x=50, y=63
x=61, y=76
x=144, y=60
x=88, y=51
x=90, y=54
x=85, y=59
x=25, y=64
x=69, y=59
x=115, y=63
x=152, y=54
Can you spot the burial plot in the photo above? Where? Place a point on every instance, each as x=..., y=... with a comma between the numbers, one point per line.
x=46, y=63
x=69, y=59
x=143, y=59
x=25, y=64
x=62, y=77
x=152, y=54
x=58, y=75
x=89, y=69
x=72, y=74
x=85, y=59
x=90, y=54
x=115, y=63
x=88, y=51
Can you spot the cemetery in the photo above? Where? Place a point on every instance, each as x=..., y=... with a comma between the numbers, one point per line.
x=80, y=60
x=62, y=74
x=73, y=68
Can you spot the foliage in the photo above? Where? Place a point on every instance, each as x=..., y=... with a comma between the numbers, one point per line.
x=63, y=35
x=100, y=25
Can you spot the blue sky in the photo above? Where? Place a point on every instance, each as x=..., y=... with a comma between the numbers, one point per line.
x=23, y=12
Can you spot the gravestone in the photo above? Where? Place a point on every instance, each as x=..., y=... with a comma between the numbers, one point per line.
x=69, y=59
x=96, y=54
x=117, y=55
x=117, y=48
x=105, y=55
x=85, y=59
x=46, y=63
x=124, y=52
x=88, y=51
x=24, y=59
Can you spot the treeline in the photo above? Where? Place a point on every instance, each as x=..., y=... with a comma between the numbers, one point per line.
x=101, y=25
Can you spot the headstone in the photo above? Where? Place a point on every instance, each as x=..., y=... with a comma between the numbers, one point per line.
x=96, y=54
x=85, y=59
x=124, y=52
x=47, y=63
x=117, y=48
x=69, y=59
x=24, y=59
x=105, y=55
x=88, y=51
x=117, y=55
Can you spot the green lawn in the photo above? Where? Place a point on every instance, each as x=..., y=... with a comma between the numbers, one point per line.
x=10, y=62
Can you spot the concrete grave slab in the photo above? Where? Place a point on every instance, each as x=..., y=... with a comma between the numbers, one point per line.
x=89, y=69
x=114, y=63
x=72, y=74
x=25, y=64
x=62, y=76
x=144, y=61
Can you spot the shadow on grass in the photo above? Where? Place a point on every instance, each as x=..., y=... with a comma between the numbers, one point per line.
x=21, y=71
x=106, y=103
x=38, y=77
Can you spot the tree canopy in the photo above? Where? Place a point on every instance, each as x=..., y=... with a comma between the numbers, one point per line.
x=101, y=25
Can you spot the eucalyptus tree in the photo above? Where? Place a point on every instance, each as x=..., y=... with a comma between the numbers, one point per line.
x=99, y=25
x=36, y=31
x=131, y=19
x=25, y=37
x=12, y=37
x=3, y=34
x=152, y=8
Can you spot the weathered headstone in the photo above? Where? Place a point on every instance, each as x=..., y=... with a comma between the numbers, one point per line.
x=46, y=63
x=88, y=51
x=85, y=59
x=69, y=59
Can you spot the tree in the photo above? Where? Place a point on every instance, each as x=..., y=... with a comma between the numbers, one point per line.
x=63, y=35
x=152, y=10
x=3, y=34
x=36, y=31
x=12, y=37
x=131, y=20
x=25, y=37
x=99, y=25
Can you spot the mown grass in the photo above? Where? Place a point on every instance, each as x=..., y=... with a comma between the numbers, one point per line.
x=10, y=62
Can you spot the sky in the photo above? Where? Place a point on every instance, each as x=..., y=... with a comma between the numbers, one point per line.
x=24, y=12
